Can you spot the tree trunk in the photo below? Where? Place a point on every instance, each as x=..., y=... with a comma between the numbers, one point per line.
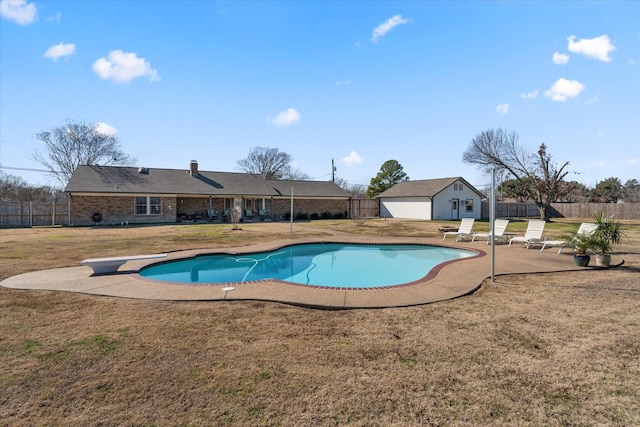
x=544, y=211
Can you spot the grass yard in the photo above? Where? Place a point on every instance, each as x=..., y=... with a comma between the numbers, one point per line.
x=546, y=349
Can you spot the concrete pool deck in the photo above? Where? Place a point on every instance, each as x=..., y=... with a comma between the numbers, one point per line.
x=453, y=280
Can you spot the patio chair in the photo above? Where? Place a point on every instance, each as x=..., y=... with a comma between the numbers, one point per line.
x=466, y=224
x=499, y=226
x=587, y=228
x=535, y=228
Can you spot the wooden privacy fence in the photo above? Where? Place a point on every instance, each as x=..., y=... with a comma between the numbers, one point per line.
x=627, y=211
x=588, y=210
x=511, y=210
x=34, y=214
x=365, y=208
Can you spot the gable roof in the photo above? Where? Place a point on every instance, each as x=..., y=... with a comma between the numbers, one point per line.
x=132, y=180
x=424, y=187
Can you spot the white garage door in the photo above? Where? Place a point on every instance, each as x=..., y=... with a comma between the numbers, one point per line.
x=407, y=208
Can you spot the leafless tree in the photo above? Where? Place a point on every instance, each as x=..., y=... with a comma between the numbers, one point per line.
x=538, y=175
x=79, y=143
x=16, y=189
x=270, y=163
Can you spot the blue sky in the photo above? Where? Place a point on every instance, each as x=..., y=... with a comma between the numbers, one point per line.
x=358, y=82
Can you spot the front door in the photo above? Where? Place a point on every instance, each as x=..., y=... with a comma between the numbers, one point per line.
x=455, y=209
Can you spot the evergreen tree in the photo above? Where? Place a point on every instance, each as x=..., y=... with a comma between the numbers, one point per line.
x=391, y=173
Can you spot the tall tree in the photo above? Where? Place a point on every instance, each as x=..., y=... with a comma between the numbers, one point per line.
x=270, y=163
x=79, y=143
x=16, y=189
x=538, y=174
x=632, y=191
x=514, y=189
x=391, y=173
x=609, y=190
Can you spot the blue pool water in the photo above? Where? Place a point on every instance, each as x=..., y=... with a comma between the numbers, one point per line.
x=322, y=264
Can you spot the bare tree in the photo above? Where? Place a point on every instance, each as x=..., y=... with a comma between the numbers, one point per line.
x=270, y=163
x=16, y=189
x=538, y=175
x=79, y=143
x=296, y=175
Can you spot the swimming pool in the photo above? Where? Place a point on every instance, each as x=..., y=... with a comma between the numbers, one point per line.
x=333, y=265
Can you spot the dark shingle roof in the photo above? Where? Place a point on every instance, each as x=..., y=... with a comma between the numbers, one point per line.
x=128, y=180
x=422, y=188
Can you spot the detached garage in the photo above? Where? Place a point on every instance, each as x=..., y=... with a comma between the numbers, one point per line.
x=431, y=199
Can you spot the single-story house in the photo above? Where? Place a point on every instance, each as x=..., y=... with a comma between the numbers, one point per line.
x=116, y=194
x=431, y=199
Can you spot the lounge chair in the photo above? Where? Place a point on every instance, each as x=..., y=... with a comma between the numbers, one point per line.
x=532, y=235
x=466, y=224
x=500, y=226
x=587, y=228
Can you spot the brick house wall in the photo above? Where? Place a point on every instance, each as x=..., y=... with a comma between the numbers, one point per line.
x=120, y=209
x=308, y=206
x=117, y=210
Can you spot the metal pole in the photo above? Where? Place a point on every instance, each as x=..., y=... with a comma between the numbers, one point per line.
x=492, y=220
x=291, y=219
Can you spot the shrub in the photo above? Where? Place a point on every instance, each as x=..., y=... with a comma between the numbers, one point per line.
x=314, y=216
x=326, y=215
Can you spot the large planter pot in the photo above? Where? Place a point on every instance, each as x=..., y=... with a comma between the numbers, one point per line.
x=603, y=260
x=581, y=260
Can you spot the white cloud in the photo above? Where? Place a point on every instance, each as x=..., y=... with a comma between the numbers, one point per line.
x=59, y=50
x=286, y=118
x=592, y=100
x=343, y=82
x=502, y=108
x=105, y=129
x=563, y=89
x=351, y=159
x=122, y=67
x=560, y=58
x=387, y=26
x=18, y=11
x=634, y=161
x=530, y=95
x=597, y=47
x=55, y=18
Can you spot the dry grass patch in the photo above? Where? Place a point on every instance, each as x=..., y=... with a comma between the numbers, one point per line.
x=547, y=349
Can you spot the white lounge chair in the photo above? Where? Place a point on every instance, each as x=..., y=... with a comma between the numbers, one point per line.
x=466, y=224
x=587, y=228
x=499, y=226
x=532, y=235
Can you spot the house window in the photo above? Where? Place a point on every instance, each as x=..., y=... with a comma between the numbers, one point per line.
x=469, y=204
x=458, y=187
x=147, y=205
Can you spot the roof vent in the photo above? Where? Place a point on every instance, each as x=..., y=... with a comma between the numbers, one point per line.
x=142, y=169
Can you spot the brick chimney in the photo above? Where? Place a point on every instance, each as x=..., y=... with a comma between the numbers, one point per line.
x=193, y=168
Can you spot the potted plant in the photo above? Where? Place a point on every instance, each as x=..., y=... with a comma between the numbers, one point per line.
x=582, y=243
x=607, y=234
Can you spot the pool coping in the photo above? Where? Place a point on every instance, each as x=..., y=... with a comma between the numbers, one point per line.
x=451, y=280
